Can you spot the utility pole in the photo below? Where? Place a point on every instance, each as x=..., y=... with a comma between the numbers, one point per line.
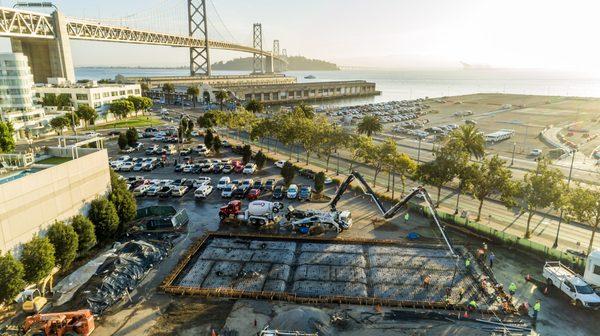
x=198, y=28
x=419, y=150
x=560, y=219
x=512, y=161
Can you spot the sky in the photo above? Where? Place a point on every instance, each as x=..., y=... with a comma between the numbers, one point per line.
x=547, y=34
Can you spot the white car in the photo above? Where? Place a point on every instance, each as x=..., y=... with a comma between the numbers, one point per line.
x=141, y=190
x=179, y=191
x=201, y=180
x=536, y=152
x=247, y=184
x=280, y=163
x=200, y=148
x=153, y=190
x=138, y=166
x=204, y=151
x=188, y=168
x=127, y=166
x=228, y=190
x=250, y=168
x=203, y=191
x=223, y=182
x=116, y=165
x=292, y=191
x=91, y=134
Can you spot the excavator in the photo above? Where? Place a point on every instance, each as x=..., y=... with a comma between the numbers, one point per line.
x=387, y=214
x=73, y=323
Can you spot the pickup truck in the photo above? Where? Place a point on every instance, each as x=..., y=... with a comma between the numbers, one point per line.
x=571, y=284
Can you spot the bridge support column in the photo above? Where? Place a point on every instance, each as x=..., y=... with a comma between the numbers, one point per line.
x=269, y=64
x=198, y=28
x=48, y=57
x=257, y=64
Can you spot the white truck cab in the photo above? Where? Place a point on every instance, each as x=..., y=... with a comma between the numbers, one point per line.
x=592, y=269
x=571, y=284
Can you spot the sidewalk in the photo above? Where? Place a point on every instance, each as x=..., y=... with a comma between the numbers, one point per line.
x=543, y=227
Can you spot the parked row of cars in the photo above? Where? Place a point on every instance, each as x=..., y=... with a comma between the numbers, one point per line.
x=216, y=166
x=168, y=188
x=126, y=163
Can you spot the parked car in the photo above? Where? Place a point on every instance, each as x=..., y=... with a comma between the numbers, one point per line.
x=204, y=152
x=153, y=190
x=250, y=168
x=240, y=192
x=292, y=191
x=138, y=167
x=247, y=183
x=305, y=193
x=164, y=192
x=203, y=191
x=217, y=168
x=113, y=133
x=141, y=189
x=258, y=184
x=536, y=152
x=269, y=185
x=179, y=168
x=225, y=161
x=308, y=173
x=278, y=192
x=208, y=168
x=238, y=167
x=223, y=182
x=227, y=169
x=201, y=180
x=126, y=166
x=253, y=194
x=228, y=190
x=185, y=151
x=280, y=163
x=188, y=168
x=179, y=191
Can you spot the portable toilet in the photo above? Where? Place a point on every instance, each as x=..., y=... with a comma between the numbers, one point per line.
x=592, y=269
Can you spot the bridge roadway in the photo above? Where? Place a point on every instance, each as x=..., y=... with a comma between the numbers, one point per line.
x=18, y=23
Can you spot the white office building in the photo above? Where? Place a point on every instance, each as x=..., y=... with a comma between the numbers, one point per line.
x=91, y=93
x=16, y=97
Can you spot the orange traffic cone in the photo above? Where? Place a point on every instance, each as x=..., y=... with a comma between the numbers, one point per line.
x=466, y=315
x=213, y=332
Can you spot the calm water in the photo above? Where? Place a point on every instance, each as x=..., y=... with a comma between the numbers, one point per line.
x=398, y=84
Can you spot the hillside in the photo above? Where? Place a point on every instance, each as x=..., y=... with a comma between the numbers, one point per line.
x=296, y=63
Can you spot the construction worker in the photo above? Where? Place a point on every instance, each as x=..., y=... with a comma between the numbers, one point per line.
x=468, y=264
x=406, y=217
x=491, y=258
x=536, y=309
x=461, y=294
x=472, y=305
x=512, y=288
x=426, y=281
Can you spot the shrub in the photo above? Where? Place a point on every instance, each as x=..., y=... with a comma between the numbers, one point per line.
x=260, y=159
x=125, y=204
x=65, y=241
x=132, y=136
x=246, y=154
x=85, y=233
x=217, y=144
x=208, y=138
x=105, y=218
x=288, y=172
x=38, y=259
x=122, y=141
x=319, y=182
x=11, y=278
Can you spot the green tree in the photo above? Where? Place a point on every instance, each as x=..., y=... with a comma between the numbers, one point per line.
x=492, y=177
x=132, y=136
x=105, y=218
x=11, y=278
x=145, y=88
x=7, y=142
x=137, y=101
x=319, y=182
x=211, y=119
x=147, y=103
x=306, y=110
x=369, y=125
x=168, y=89
x=38, y=259
x=405, y=167
x=186, y=126
x=85, y=233
x=439, y=171
x=86, y=113
x=58, y=124
x=254, y=106
x=583, y=204
x=379, y=155
x=222, y=96
x=359, y=147
x=261, y=129
x=121, y=108
x=49, y=99
x=311, y=134
x=469, y=139
x=260, y=159
x=334, y=138
x=65, y=241
x=540, y=190
x=217, y=144
x=246, y=154
x=193, y=91
x=63, y=100
x=124, y=202
x=208, y=138
x=122, y=141
x=72, y=120
x=288, y=172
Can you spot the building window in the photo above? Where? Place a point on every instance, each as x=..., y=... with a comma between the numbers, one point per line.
x=122, y=93
x=81, y=96
x=96, y=96
x=105, y=94
x=114, y=93
x=137, y=91
x=248, y=96
x=129, y=92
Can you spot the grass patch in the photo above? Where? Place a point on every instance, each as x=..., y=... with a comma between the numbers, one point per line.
x=138, y=121
x=54, y=160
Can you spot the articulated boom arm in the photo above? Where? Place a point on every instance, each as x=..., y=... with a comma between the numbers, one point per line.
x=394, y=209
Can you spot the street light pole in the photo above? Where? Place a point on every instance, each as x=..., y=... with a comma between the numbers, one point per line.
x=419, y=150
x=560, y=219
x=512, y=161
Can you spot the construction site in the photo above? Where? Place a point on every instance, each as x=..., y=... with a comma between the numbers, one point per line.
x=330, y=271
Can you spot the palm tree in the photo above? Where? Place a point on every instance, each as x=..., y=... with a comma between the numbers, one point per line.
x=168, y=89
x=193, y=91
x=469, y=139
x=221, y=96
x=369, y=125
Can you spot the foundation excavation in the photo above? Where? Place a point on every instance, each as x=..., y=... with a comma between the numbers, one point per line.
x=319, y=270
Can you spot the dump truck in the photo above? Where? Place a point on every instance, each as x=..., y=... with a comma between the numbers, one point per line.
x=258, y=213
x=80, y=322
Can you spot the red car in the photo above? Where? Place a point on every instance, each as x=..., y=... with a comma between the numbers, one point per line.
x=238, y=167
x=253, y=194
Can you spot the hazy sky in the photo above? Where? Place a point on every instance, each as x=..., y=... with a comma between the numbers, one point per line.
x=375, y=33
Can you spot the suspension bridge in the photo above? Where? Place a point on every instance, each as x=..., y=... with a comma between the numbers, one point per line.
x=45, y=37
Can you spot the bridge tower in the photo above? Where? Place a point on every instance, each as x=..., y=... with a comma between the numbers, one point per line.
x=257, y=65
x=198, y=28
x=48, y=57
